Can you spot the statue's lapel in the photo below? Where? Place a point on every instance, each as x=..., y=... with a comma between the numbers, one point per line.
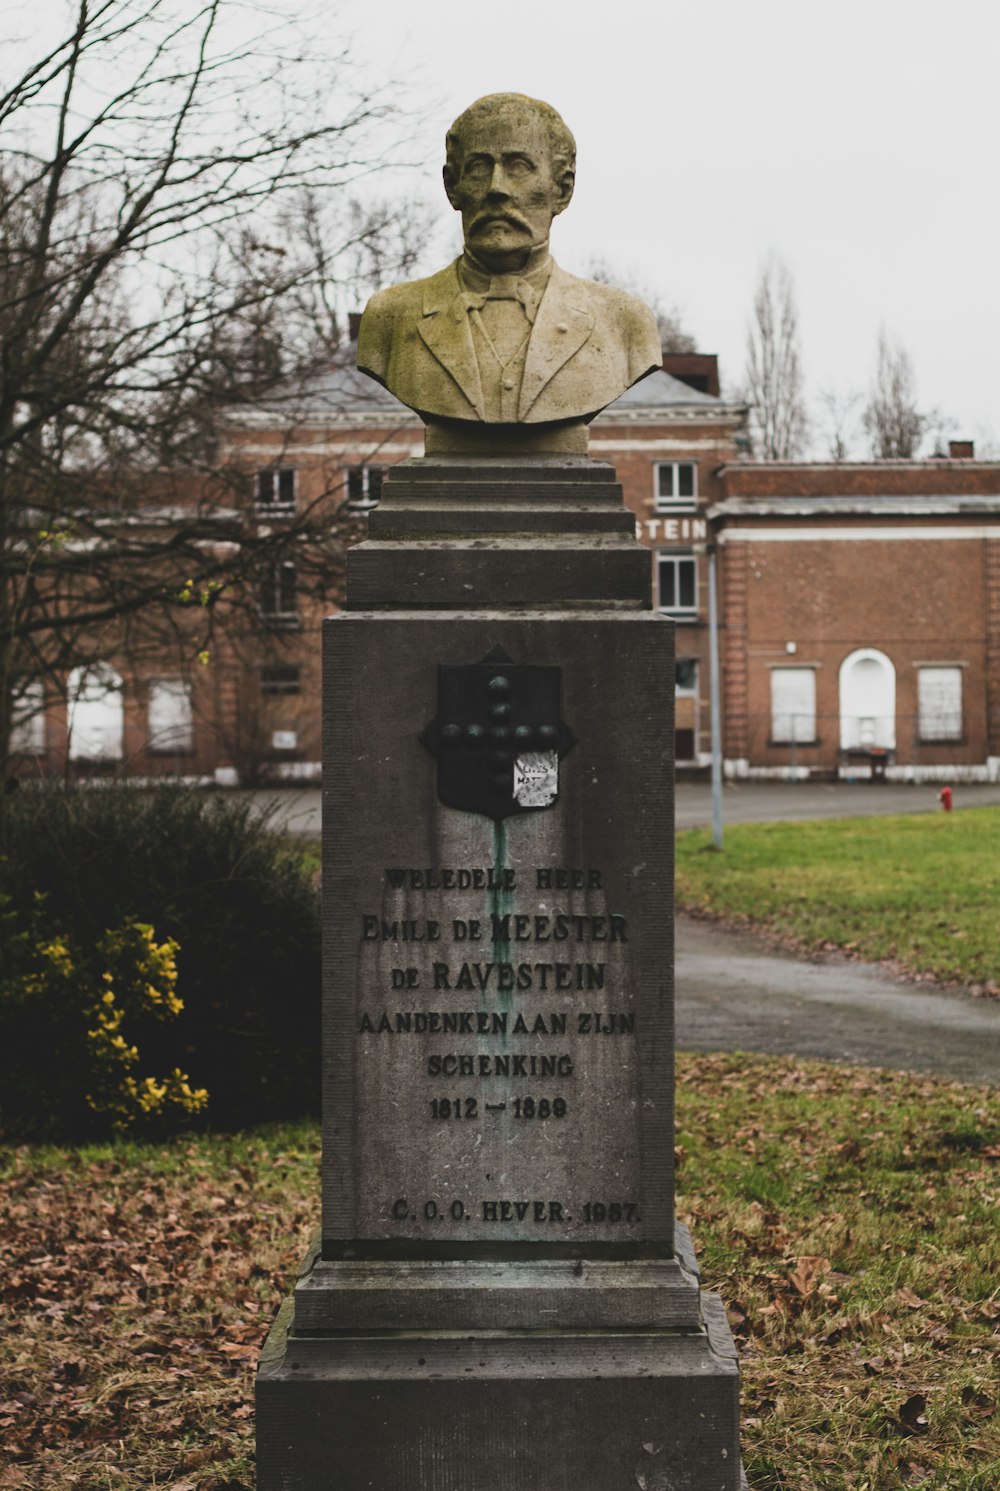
x=445, y=331
x=561, y=328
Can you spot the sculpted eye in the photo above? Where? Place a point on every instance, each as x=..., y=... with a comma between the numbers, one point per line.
x=478, y=169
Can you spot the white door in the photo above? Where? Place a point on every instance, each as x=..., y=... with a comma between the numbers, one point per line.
x=867, y=701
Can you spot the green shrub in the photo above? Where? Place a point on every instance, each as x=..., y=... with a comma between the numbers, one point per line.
x=95, y=871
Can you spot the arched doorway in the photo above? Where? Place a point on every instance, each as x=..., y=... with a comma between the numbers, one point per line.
x=96, y=713
x=867, y=701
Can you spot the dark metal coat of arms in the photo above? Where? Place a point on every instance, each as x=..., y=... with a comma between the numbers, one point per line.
x=498, y=736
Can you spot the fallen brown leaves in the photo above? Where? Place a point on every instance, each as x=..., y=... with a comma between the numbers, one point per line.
x=138, y=1304
x=846, y=1217
x=850, y=1227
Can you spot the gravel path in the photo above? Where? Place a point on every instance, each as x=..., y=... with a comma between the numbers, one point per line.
x=735, y=993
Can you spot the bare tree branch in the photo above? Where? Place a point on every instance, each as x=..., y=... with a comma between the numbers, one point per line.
x=839, y=422
x=673, y=336
x=894, y=424
x=778, y=424
x=180, y=230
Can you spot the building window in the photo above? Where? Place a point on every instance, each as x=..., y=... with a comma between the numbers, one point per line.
x=364, y=488
x=280, y=678
x=686, y=678
x=793, y=705
x=96, y=713
x=278, y=601
x=27, y=730
x=677, y=584
x=676, y=488
x=686, y=716
x=276, y=491
x=171, y=721
x=939, y=698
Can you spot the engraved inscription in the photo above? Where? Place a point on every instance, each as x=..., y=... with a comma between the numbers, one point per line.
x=497, y=1032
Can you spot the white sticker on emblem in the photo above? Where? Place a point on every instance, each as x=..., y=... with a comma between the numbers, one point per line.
x=536, y=779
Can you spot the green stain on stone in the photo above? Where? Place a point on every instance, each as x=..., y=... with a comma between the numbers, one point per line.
x=501, y=904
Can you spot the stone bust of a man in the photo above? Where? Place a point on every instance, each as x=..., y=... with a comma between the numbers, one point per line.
x=503, y=337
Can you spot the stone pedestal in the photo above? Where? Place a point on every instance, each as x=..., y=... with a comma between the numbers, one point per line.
x=500, y=1297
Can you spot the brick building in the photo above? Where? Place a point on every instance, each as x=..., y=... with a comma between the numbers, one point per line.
x=861, y=618
x=667, y=438
x=859, y=603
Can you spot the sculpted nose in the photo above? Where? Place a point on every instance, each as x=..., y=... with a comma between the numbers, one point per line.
x=498, y=181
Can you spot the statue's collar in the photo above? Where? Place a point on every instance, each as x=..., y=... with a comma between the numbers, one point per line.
x=502, y=286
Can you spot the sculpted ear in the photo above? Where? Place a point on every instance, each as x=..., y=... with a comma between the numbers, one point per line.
x=449, y=185
x=565, y=181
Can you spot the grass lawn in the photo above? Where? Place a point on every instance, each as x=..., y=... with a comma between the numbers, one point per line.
x=922, y=891
x=848, y=1218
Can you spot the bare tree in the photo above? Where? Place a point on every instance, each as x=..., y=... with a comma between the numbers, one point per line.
x=774, y=385
x=673, y=337
x=894, y=424
x=180, y=226
x=838, y=422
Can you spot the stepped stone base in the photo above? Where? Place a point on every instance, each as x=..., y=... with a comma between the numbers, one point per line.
x=501, y=1410
x=477, y=1319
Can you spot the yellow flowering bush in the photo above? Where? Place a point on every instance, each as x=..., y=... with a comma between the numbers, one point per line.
x=206, y=870
x=85, y=1010
x=140, y=976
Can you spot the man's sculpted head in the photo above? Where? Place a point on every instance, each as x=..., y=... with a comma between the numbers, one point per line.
x=509, y=169
x=502, y=350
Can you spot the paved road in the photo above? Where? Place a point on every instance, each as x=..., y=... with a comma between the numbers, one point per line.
x=745, y=802
x=736, y=994
x=762, y=802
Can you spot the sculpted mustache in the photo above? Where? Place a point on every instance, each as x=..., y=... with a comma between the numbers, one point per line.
x=501, y=217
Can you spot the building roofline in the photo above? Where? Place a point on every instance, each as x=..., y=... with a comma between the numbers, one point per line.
x=318, y=417
x=924, y=463
x=877, y=505
x=671, y=414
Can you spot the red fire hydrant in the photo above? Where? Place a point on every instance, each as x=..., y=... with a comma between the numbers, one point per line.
x=944, y=796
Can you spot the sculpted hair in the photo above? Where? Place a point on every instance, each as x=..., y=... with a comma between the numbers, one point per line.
x=561, y=143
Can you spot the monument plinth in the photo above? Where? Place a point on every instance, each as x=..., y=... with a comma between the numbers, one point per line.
x=501, y=1296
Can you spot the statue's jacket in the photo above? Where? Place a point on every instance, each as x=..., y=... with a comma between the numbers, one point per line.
x=588, y=344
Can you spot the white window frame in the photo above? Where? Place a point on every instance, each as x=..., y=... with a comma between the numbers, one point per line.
x=365, y=503
x=673, y=502
x=680, y=691
x=793, y=726
x=96, y=713
x=27, y=727
x=934, y=722
x=281, y=616
x=675, y=561
x=275, y=686
x=276, y=505
x=169, y=714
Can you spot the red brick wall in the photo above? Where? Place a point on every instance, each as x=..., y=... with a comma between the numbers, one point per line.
x=992, y=588
x=735, y=701
x=918, y=601
x=870, y=479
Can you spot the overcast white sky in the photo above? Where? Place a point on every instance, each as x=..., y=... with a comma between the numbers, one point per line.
x=859, y=139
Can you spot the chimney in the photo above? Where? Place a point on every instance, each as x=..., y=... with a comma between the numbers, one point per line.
x=353, y=325
x=698, y=370
x=961, y=450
